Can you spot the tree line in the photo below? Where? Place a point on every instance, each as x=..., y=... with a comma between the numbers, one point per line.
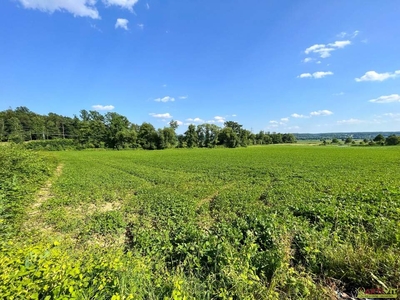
x=112, y=130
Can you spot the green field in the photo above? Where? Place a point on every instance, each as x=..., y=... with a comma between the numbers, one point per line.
x=272, y=222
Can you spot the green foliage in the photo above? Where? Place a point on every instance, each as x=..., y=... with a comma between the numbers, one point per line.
x=392, y=140
x=115, y=131
x=379, y=138
x=51, y=145
x=21, y=174
x=273, y=222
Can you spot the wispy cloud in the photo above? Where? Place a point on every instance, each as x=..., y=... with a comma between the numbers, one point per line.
x=284, y=119
x=219, y=119
x=195, y=120
x=165, y=99
x=183, y=97
x=298, y=116
x=344, y=34
x=79, y=8
x=163, y=116
x=324, y=50
x=307, y=59
x=316, y=75
x=324, y=112
x=141, y=26
x=317, y=113
x=127, y=4
x=147, y=6
x=122, y=23
x=374, y=76
x=386, y=99
x=392, y=115
x=305, y=75
x=103, y=107
x=350, y=121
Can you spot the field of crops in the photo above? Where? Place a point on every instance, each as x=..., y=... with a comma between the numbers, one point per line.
x=272, y=222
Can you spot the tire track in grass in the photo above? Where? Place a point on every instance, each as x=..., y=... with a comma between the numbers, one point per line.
x=34, y=220
x=204, y=207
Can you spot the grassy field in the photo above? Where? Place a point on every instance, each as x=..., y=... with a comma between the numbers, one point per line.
x=273, y=222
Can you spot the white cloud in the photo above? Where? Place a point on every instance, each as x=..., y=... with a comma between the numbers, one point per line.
x=298, y=116
x=324, y=51
x=233, y=115
x=165, y=116
x=284, y=119
x=324, y=112
x=392, y=115
x=340, y=44
x=141, y=26
x=183, y=97
x=179, y=122
x=314, y=48
x=350, y=121
x=273, y=122
x=219, y=119
x=307, y=59
x=147, y=6
x=316, y=75
x=374, y=76
x=122, y=23
x=103, y=107
x=165, y=99
x=304, y=75
x=195, y=120
x=318, y=62
x=321, y=74
x=79, y=8
x=127, y=4
x=386, y=99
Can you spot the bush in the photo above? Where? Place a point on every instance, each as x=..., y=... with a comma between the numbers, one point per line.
x=51, y=145
x=22, y=173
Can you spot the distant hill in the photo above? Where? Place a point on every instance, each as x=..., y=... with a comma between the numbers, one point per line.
x=343, y=135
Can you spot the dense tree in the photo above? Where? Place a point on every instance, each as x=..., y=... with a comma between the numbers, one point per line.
x=380, y=139
x=392, y=140
x=16, y=131
x=117, y=130
x=348, y=140
x=288, y=138
x=276, y=138
x=147, y=136
x=335, y=141
x=191, y=137
x=229, y=138
x=112, y=130
x=211, y=135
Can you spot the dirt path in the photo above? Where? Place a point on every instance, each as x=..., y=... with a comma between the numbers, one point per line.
x=33, y=221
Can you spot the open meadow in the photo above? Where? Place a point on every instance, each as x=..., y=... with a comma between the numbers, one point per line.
x=267, y=222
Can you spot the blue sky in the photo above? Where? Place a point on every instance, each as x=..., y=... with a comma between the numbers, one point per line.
x=284, y=66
